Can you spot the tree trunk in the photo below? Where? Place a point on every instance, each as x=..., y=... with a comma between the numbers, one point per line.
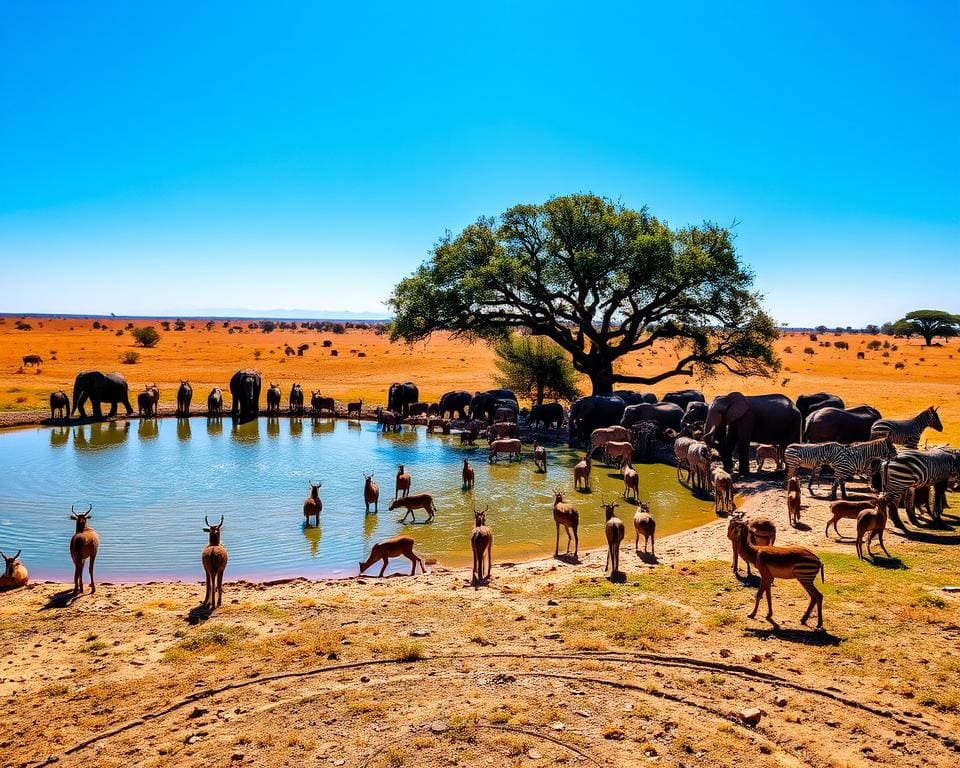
x=539, y=393
x=602, y=379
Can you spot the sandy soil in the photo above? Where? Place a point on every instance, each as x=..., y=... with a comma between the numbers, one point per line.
x=550, y=664
x=930, y=375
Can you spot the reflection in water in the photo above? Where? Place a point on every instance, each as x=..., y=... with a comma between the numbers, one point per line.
x=369, y=526
x=94, y=437
x=313, y=534
x=273, y=426
x=183, y=429
x=296, y=427
x=148, y=429
x=248, y=432
x=323, y=426
x=406, y=436
x=59, y=436
x=214, y=426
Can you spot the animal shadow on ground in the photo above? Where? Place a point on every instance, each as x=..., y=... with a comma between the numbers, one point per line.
x=818, y=637
x=571, y=559
x=584, y=491
x=753, y=580
x=199, y=614
x=617, y=578
x=801, y=526
x=60, y=600
x=649, y=558
x=890, y=563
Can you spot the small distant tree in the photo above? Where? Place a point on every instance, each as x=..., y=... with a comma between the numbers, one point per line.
x=535, y=367
x=268, y=326
x=165, y=324
x=873, y=330
x=22, y=326
x=130, y=357
x=147, y=336
x=179, y=325
x=821, y=329
x=96, y=325
x=928, y=323
x=338, y=328
x=887, y=329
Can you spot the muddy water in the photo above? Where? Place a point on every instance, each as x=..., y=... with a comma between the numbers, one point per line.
x=152, y=482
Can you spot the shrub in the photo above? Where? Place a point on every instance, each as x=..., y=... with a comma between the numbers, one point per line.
x=841, y=345
x=899, y=366
x=257, y=353
x=885, y=354
x=22, y=326
x=809, y=351
x=179, y=325
x=875, y=345
x=268, y=326
x=813, y=337
x=146, y=336
x=129, y=326
x=165, y=324
x=787, y=350
x=96, y=325
x=130, y=357
x=120, y=332
x=886, y=344
x=893, y=348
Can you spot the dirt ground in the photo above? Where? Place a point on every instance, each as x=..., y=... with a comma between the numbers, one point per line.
x=550, y=664
x=929, y=376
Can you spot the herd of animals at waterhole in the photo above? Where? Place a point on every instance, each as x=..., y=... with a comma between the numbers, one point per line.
x=817, y=435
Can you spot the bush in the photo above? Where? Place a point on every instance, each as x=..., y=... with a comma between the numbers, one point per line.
x=179, y=325
x=146, y=336
x=96, y=325
x=268, y=326
x=809, y=351
x=787, y=350
x=875, y=345
x=120, y=332
x=165, y=324
x=130, y=357
x=899, y=366
x=841, y=345
x=813, y=337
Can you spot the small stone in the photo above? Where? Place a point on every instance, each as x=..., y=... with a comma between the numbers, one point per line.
x=237, y=756
x=557, y=725
x=419, y=633
x=750, y=715
x=438, y=727
x=780, y=701
x=534, y=754
x=552, y=602
x=193, y=738
x=583, y=712
x=364, y=679
x=339, y=761
x=198, y=712
x=552, y=636
x=756, y=659
x=725, y=653
x=650, y=752
x=332, y=656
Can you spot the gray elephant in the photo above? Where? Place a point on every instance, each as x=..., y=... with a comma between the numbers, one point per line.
x=836, y=425
x=483, y=405
x=401, y=396
x=634, y=398
x=245, y=390
x=59, y=405
x=807, y=404
x=591, y=412
x=694, y=417
x=546, y=414
x=100, y=388
x=455, y=402
x=683, y=397
x=734, y=421
x=664, y=415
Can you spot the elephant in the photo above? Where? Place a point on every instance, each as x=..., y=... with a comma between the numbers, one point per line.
x=100, y=388
x=483, y=405
x=806, y=404
x=401, y=396
x=734, y=421
x=419, y=409
x=664, y=415
x=591, y=412
x=546, y=414
x=695, y=416
x=59, y=405
x=101, y=436
x=245, y=390
x=634, y=398
x=840, y=425
x=454, y=402
x=503, y=394
x=684, y=397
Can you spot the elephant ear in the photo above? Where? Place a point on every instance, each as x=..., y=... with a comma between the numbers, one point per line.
x=738, y=408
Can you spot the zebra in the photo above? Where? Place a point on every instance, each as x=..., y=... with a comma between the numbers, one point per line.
x=858, y=459
x=912, y=469
x=810, y=456
x=906, y=432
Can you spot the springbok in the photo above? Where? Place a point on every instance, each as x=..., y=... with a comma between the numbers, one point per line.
x=566, y=515
x=481, y=543
x=214, y=559
x=84, y=544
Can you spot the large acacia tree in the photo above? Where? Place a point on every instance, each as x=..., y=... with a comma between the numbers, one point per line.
x=928, y=323
x=602, y=281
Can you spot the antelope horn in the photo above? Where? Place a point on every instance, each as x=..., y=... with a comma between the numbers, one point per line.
x=3, y=555
x=89, y=509
x=18, y=554
x=221, y=522
x=205, y=521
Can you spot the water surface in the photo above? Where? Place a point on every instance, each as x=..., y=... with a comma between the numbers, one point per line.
x=152, y=481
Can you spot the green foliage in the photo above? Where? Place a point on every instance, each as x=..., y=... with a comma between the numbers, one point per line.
x=535, y=367
x=927, y=323
x=130, y=357
x=22, y=326
x=147, y=336
x=601, y=281
x=268, y=326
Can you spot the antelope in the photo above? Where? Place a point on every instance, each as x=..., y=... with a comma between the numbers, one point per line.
x=468, y=474
x=501, y=429
x=761, y=529
x=680, y=448
x=566, y=515
x=388, y=420
x=581, y=474
x=155, y=391
x=511, y=447
x=184, y=396
x=539, y=457
x=793, y=500
x=312, y=507
x=384, y=550
x=214, y=559
x=615, y=449
x=14, y=572
x=371, y=493
x=631, y=481
x=846, y=510
x=614, y=533
x=402, y=484
x=84, y=543
x=469, y=436
x=481, y=542
x=436, y=421
x=772, y=452
x=646, y=526
x=783, y=563
x=412, y=503
x=872, y=522
x=355, y=408
x=215, y=402
x=603, y=435
x=722, y=491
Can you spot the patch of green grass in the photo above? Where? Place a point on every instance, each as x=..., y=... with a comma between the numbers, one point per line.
x=642, y=625
x=94, y=646
x=926, y=600
x=210, y=638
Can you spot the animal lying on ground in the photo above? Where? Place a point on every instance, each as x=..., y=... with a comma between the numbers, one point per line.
x=14, y=572
x=395, y=547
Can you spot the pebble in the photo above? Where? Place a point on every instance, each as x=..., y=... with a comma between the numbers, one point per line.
x=725, y=653
x=534, y=754
x=419, y=633
x=750, y=715
x=364, y=679
x=557, y=726
x=552, y=602
x=237, y=756
x=780, y=701
x=438, y=727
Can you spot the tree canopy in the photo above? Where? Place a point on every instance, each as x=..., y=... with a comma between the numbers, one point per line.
x=928, y=323
x=535, y=367
x=601, y=281
x=146, y=336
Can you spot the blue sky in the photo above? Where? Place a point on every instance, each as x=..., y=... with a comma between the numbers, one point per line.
x=163, y=158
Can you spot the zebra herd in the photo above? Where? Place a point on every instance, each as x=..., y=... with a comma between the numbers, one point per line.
x=896, y=475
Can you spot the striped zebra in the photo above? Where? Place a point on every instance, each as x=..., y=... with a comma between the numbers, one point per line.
x=810, y=456
x=913, y=469
x=906, y=432
x=858, y=459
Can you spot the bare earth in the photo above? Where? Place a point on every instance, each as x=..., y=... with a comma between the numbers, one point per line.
x=550, y=664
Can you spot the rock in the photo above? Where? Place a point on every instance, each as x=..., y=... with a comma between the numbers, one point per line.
x=419, y=632
x=364, y=679
x=780, y=701
x=552, y=602
x=193, y=738
x=534, y=754
x=755, y=659
x=552, y=636
x=438, y=727
x=583, y=712
x=750, y=715
x=725, y=653
x=557, y=725
x=237, y=756
x=332, y=656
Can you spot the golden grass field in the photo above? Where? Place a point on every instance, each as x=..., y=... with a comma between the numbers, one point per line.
x=930, y=375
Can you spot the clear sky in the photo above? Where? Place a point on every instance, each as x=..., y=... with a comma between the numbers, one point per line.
x=177, y=157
